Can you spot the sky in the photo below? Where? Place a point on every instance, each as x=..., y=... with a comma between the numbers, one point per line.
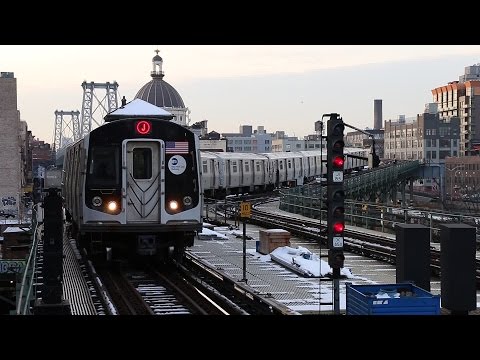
x=280, y=87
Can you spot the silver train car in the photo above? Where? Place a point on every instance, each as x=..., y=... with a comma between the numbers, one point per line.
x=225, y=173
x=133, y=184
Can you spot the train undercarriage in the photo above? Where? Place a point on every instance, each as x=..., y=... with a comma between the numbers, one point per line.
x=159, y=246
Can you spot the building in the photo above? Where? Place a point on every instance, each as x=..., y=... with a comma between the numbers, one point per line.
x=42, y=155
x=10, y=153
x=247, y=142
x=160, y=93
x=462, y=99
x=462, y=178
x=362, y=140
x=426, y=138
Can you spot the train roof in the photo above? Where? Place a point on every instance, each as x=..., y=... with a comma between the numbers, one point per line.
x=232, y=155
x=274, y=155
x=289, y=154
x=138, y=108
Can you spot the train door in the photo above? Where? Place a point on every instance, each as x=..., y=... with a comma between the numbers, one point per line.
x=258, y=173
x=297, y=164
x=144, y=172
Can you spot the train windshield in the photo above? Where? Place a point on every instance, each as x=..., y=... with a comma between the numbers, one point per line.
x=104, y=169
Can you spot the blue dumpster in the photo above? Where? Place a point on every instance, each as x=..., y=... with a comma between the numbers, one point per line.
x=390, y=299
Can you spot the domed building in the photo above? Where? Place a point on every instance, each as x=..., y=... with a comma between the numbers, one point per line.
x=160, y=93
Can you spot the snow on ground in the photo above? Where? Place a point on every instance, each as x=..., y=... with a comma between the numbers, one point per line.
x=306, y=261
x=211, y=234
x=320, y=294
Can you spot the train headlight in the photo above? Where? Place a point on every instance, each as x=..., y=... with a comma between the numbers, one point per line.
x=112, y=206
x=187, y=200
x=173, y=205
x=97, y=201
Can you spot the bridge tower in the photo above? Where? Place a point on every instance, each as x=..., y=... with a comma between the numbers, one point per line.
x=67, y=131
x=92, y=104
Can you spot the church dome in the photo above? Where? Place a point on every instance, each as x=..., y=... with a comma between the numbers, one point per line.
x=160, y=93
x=157, y=91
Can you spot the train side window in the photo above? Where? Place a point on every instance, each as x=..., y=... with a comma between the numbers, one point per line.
x=142, y=163
x=205, y=166
x=247, y=167
x=234, y=166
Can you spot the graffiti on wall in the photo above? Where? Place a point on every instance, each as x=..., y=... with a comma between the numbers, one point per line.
x=8, y=205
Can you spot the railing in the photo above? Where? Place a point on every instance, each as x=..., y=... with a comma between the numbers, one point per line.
x=382, y=218
x=363, y=182
x=25, y=294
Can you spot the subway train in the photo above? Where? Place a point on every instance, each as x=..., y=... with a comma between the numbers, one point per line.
x=225, y=173
x=132, y=185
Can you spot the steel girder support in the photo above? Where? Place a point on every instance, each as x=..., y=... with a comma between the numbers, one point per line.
x=90, y=106
x=66, y=131
x=87, y=108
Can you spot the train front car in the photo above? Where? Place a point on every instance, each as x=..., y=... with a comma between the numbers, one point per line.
x=142, y=187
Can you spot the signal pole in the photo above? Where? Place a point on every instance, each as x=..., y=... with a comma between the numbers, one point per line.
x=335, y=201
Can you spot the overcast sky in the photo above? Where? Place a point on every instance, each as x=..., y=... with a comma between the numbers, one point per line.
x=280, y=87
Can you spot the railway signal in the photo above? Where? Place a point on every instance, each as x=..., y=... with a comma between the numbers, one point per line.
x=335, y=191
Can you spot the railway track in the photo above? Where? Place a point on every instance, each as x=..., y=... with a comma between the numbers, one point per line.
x=149, y=290
x=378, y=247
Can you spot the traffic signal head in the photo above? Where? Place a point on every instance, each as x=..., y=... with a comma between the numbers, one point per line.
x=336, y=210
x=336, y=258
x=335, y=146
x=335, y=191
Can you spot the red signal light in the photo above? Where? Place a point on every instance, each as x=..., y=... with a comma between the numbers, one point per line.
x=338, y=227
x=143, y=127
x=338, y=161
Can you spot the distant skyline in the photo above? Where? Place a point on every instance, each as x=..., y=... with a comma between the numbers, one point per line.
x=280, y=87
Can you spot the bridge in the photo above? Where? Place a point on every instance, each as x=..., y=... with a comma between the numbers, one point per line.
x=375, y=185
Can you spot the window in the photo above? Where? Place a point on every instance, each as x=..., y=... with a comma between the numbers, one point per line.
x=289, y=164
x=234, y=166
x=205, y=166
x=247, y=167
x=258, y=166
x=104, y=169
x=142, y=163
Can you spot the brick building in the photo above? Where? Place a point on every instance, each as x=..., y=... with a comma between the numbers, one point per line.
x=10, y=154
